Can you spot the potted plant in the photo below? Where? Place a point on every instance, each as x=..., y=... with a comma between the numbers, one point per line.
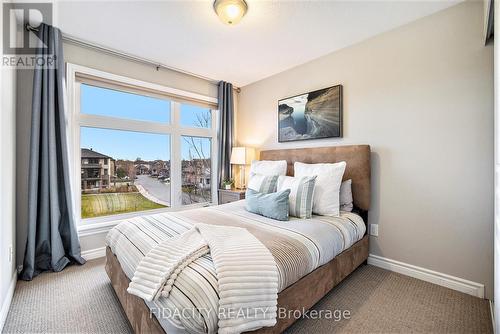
x=227, y=184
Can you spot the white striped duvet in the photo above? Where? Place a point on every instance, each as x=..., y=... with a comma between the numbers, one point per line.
x=309, y=244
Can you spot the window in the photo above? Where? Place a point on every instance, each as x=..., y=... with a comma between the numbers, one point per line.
x=138, y=147
x=196, y=170
x=113, y=103
x=134, y=174
x=193, y=116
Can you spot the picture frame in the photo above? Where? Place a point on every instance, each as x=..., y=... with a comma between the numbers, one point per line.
x=314, y=115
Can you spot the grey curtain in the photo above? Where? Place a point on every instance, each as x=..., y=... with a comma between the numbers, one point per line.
x=52, y=241
x=226, y=119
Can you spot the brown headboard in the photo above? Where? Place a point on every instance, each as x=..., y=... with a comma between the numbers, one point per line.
x=357, y=158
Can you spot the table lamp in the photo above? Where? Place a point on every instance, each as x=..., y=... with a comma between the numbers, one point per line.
x=242, y=156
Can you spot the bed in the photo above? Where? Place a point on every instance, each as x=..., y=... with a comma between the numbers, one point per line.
x=327, y=248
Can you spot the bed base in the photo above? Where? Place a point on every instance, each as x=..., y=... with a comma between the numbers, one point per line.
x=301, y=295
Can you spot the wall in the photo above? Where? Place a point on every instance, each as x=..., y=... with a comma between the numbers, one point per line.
x=422, y=97
x=7, y=186
x=101, y=61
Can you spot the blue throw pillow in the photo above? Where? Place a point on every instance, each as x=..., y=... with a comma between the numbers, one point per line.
x=273, y=205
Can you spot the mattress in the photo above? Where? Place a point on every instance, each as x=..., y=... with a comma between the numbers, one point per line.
x=299, y=246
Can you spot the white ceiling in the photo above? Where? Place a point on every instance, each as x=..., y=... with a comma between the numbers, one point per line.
x=272, y=37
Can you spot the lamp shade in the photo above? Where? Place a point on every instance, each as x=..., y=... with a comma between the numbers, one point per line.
x=242, y=155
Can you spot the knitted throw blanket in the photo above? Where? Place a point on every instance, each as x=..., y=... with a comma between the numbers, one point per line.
x=246, y=271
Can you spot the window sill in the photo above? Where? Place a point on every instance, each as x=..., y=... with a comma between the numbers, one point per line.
x=98, y=225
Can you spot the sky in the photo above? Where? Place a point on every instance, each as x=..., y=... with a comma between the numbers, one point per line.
x=131, y=145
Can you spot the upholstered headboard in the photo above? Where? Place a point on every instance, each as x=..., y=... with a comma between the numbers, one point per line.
x=357, y=158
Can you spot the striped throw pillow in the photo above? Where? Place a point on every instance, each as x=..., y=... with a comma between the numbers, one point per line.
x=263, y=183
x=301, y=194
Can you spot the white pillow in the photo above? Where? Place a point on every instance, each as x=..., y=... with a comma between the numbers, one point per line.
x=346, y=196
x=326, y=201
x=268, y=167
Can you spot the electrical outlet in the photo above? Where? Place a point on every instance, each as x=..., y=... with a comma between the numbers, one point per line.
x=374, y=230
x=11, y=254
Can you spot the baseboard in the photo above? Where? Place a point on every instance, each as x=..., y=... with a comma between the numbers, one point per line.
x=448, y=281
x=8, y=299
x=94, y=253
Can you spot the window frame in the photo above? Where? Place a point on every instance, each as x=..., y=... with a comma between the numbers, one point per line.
x=76, y=75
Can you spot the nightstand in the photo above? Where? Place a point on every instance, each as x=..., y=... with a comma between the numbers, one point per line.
x=228, y=196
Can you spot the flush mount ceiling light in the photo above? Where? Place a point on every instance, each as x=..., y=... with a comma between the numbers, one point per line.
x=230, y=11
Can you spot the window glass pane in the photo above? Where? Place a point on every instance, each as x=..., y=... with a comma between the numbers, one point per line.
x=196, y=170
x=113, y=103
x=123, y=171
x=194, y=116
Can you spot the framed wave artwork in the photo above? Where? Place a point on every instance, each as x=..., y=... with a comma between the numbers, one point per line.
x=313, y=115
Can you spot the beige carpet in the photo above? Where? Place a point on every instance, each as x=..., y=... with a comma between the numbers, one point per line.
x=81, y=300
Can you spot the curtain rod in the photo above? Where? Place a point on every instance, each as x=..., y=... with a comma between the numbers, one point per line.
x=89, y=45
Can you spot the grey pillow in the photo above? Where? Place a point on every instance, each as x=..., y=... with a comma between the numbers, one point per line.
x=273, y=205
x=346, y=201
